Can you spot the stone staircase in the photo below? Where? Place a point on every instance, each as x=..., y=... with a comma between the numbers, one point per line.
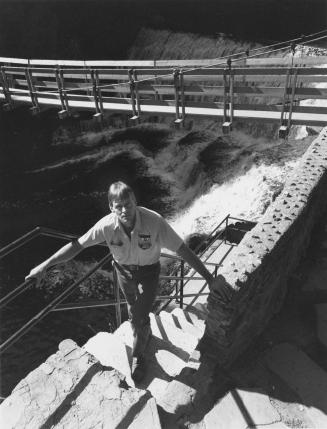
x=86, y=387
x=282, y=387
x=170, y=353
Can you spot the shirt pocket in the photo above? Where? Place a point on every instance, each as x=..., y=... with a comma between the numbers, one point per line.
x=117, y=249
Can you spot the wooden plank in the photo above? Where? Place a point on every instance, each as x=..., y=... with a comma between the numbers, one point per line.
x=305, y=60
x=154, y=71
x=310, y=109
x=53, y=84
x=123, y=63
x=67, y=63
x=14, y=70
x=281, y=71
x=192, y=63
x=278, y=108
x=21, y=82
x=13, y=60
x=191, y=90
x=199, y=90
x=277, y=79
x=315, y=93
x=257, y=91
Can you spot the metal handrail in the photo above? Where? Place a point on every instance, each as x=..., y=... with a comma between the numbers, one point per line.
x=18, y=334
x=55, y=234
x=54, y=305
x=14, y=293
x=39, y=230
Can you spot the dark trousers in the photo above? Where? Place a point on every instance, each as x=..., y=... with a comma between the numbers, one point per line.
x=140, y=286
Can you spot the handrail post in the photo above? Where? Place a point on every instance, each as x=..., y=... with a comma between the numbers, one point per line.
x=98, y=113
x=228, y=98
x=176, y=283
x=137, y=95
x=283, y=129
x=6, y=89
x=182, y=284
x=133, y=96
x=63, y=113
x=226, y=227
x=29, y=79
x=117, y=295
x=176, y=80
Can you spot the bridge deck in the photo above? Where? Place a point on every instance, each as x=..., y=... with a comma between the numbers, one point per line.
x=298, y=118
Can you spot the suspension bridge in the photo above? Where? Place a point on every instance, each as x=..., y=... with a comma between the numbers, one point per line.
x=286, y=90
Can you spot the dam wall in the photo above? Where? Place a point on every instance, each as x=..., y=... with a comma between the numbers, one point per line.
x=258, y=271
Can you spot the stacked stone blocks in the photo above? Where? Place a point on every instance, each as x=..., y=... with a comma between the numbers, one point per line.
x=260, y=266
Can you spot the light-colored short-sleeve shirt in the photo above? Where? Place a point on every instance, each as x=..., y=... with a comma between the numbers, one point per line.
x=151, y=233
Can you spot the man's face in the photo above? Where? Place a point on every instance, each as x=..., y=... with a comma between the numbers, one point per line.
x=125, y=209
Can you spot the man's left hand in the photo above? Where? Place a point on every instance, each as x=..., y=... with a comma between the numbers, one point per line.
x=221, y=287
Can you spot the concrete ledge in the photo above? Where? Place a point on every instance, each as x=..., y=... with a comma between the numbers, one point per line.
x=258, y=271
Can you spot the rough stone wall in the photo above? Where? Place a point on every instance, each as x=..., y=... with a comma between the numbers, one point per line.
x=258, y=271
x=73, y=390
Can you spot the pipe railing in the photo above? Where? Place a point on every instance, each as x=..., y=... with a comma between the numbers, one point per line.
x=36, y=319
x=55, y=304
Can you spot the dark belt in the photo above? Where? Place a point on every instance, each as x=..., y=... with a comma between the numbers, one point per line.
x=137, y=267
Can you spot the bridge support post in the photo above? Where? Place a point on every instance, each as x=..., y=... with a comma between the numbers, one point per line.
x=179, y=96
x=228, y=98
x=64, y=112
x=35, y=109
x=97, y=97
x=3, y=81
x=288, y=103
x=134, y=96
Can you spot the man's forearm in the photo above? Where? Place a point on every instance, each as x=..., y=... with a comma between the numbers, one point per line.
x=195, y=262
x=65, y=253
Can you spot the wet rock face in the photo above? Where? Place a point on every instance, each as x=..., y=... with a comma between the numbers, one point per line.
x=72, y=389
x=258, y=270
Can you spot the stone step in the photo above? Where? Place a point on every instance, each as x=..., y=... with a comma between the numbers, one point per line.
x=110, y=351
x=199, y=309
x=71, y=389
x=190, y=312
x=194, y=316
x=241, y=409
x=147, y=418
x=181, y=320
x=164, y=360
x=163, y=327
x=321, y=311
x=304, y=376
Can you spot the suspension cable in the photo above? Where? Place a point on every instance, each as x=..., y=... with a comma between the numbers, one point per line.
x=301, y=38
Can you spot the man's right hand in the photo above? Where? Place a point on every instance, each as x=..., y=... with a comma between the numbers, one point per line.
x=38, y=273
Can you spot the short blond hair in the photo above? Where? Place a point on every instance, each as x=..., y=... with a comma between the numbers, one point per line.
x=119, y=191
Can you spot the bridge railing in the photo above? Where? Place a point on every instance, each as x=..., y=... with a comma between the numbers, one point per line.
x=255, y=89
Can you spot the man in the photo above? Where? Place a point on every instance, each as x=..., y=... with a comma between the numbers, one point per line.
x=135, y=236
